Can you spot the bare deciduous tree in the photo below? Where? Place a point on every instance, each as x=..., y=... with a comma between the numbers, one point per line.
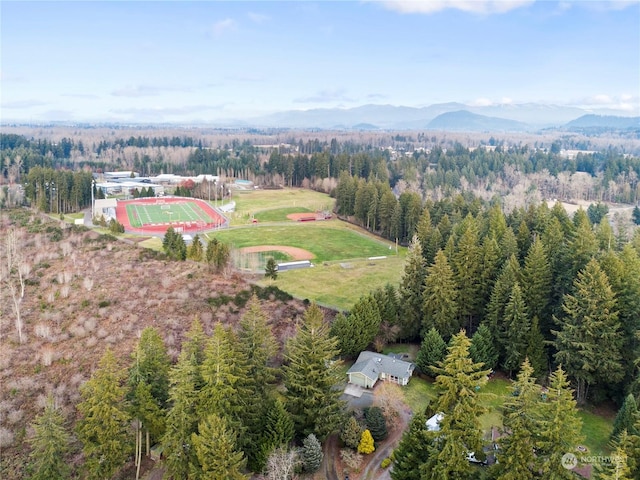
x=13, y=274
x=281, y=464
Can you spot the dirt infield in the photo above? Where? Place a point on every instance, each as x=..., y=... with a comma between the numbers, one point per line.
x=307, y=217
x=294, y=252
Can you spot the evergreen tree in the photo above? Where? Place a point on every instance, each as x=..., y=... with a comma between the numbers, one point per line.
x=182, y=421
x=311, y=376
x=411, y=288
x=500, y=296
x=173, y=245
x=366, y=445
x=195, y=251
x=149, y=416
x=559, y=427
x=439, y=299
x=257, y=345
x=356, y=331
x=351, y=433
x=224, y=373
x=583, y=245
x=482, y=349
x=271, y=269
x=622, y=466
x=491, y=263
x=623, y=272
x=376, y=423
x=413, y=450
x=459, y=380
x=467, y=265
x=103, y=427
x=148, y=389
x=516, y=460
x=278, y=426
x=432, y=351
x=50, y=444
x=536, y=284
x=635, y=215
x=311, y=453
x=626, y=418
x=217, y=452
x=518, y=330
x=151, y=365
x=589, y=341
x=557, y=250
x=536, y=351
x=524, y=240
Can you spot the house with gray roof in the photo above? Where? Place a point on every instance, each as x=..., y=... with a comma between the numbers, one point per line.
x=371, y=367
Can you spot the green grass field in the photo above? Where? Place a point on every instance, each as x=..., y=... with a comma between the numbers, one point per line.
x=279, y=214
x=146, y=214
x=257, y=203
x=328, y=241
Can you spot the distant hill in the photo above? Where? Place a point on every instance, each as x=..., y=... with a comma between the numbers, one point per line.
x=526, y=116
x=464, y=120
x=604, y=122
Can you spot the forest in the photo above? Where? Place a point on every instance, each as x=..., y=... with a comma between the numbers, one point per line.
x=496, y=279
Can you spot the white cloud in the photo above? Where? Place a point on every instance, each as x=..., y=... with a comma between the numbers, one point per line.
x=624, y=103
x=258, y=17
x=325, y=96
x=506, y=101
x=146, y=90
x=167, y=110
x=19, y=104
x=470, y=6
x=223, y=26
x=481, y=102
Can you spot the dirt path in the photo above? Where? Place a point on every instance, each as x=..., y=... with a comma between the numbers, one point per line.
x=295, y=252
x=331, y=456
x=372, y=469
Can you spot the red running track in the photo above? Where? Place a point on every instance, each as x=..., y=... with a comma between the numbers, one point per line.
x=216, y=219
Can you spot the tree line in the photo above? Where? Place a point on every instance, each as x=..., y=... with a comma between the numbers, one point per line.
x=535, y=283
x=541, y=429
x=217, y=412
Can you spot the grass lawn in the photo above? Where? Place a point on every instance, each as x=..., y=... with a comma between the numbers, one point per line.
x=409, y=348
x=419, y=393
x=334, y=286
x=596, y=430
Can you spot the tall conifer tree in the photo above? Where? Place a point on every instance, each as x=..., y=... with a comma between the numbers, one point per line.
x=311, y=377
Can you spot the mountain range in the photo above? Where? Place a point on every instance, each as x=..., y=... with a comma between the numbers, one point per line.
x=446, y=116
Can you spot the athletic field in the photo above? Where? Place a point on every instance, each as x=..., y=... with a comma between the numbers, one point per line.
x=154, y=215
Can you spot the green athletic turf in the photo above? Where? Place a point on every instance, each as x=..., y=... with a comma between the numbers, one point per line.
x=147, y=214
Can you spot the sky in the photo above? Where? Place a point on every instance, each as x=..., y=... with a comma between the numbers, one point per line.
x=190, y=62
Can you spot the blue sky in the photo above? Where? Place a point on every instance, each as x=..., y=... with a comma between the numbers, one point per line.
x=203, y=61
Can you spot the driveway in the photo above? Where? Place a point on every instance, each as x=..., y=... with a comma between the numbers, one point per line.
x=357, y=397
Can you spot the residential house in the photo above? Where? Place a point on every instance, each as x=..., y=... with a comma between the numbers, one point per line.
x=371, y=367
